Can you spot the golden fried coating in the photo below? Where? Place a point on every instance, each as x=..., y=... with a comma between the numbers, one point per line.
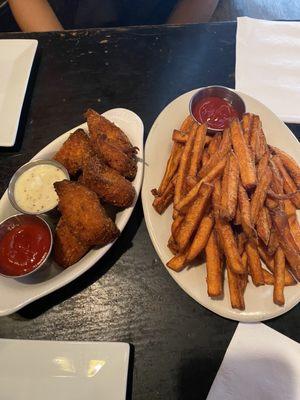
x=67, y=248
x=99, y=125
x=115, y=158
x=75, y=151
x=109, y=185
x=84, y=215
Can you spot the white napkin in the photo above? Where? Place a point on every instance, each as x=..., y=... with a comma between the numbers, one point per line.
x=268, y=64
x=259, y=364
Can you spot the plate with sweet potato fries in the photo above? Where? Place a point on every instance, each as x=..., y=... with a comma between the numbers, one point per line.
x=222, y=207
x=104, y=160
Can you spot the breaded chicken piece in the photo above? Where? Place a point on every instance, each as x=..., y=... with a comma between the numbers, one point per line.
x=75, y=151
x=115, y=158
x=99, y=125
x=109, y=185
x=66, y=247
x=84, y=215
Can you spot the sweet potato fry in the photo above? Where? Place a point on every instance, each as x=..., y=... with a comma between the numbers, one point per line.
x=244, y=206
x=289, y=185
x=176, y=223
x=254, y=263
x=269, y=262
x=261, y=143
x=190, y=183
x=287, y=242
x=236, y=297
x=271, y=204
x=264, y=225
x=230, y=185
x=172, y=245
x=224, y=149
x=201, y=237
x=267, y=258
x=171, y=167
x=247, y=125
x=241, y=241
x=284, y=196
x=273, y=242
x=216, y=197
x=262, y=165
x=192, y=194
x=177, y=263
x=242, y=151
x=224, y=189
x=213, y=267
x=238, y=217
x=289, y=208
x=268, y=277
x=197, y=151
x=229, y=246
x=279, y=277
x=294, y=225
x=193, y=217
x=259, y=195
x=205, y=157
x=161, y=203
x=179, y=136
x=253, y=137
x=214, y=144
x=187, y=124
x=183, y=165
x=244, y=277
x=290, y=164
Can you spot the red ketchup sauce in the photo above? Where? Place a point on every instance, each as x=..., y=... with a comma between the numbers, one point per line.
x=215, y=111
x=23, y=248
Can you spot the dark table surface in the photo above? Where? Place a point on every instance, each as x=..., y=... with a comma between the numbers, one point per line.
x=128, y=296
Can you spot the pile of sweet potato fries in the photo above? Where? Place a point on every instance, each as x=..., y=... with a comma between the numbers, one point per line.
x=234, y=199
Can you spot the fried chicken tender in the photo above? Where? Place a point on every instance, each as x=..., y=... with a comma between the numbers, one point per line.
x=100, y=126
x=75, y=151
x=115, y=158
x=107, y=183
x=84, y=215
x=111, y=144
x=67, y=248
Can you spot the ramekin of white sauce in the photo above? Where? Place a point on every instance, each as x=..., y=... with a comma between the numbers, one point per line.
x=31, y=189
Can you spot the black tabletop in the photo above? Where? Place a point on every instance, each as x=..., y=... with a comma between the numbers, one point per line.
x=177, y=345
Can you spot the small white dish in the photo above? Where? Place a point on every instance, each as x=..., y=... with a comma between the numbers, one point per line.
x=16, y=58
x=34, y=370
x=258, y=300
x=16, y=293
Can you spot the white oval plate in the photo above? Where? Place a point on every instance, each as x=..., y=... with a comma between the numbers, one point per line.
x=16, y=293
x=259, y=301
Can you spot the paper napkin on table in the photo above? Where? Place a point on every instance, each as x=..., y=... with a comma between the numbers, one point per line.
x=259, y=364
x=268, y=64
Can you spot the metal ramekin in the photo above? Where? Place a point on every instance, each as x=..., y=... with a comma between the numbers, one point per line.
x=19, y=172
x=218, y=91
x=16, y=220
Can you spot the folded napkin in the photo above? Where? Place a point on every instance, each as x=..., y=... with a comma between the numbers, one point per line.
x=259, y=363
x=268, y=64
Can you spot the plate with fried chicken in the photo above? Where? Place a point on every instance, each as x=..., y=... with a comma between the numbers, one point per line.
x=104, y=160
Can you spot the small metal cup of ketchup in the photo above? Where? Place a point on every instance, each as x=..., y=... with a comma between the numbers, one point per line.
x=216, y=106
x=25, y=245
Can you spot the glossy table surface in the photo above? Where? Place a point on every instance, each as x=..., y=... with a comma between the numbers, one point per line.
x=177, y=345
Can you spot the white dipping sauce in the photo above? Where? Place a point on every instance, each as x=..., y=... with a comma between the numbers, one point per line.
x=34, y=190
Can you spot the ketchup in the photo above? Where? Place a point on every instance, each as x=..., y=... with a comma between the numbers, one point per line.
x=24, y=247
x=215, y=111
